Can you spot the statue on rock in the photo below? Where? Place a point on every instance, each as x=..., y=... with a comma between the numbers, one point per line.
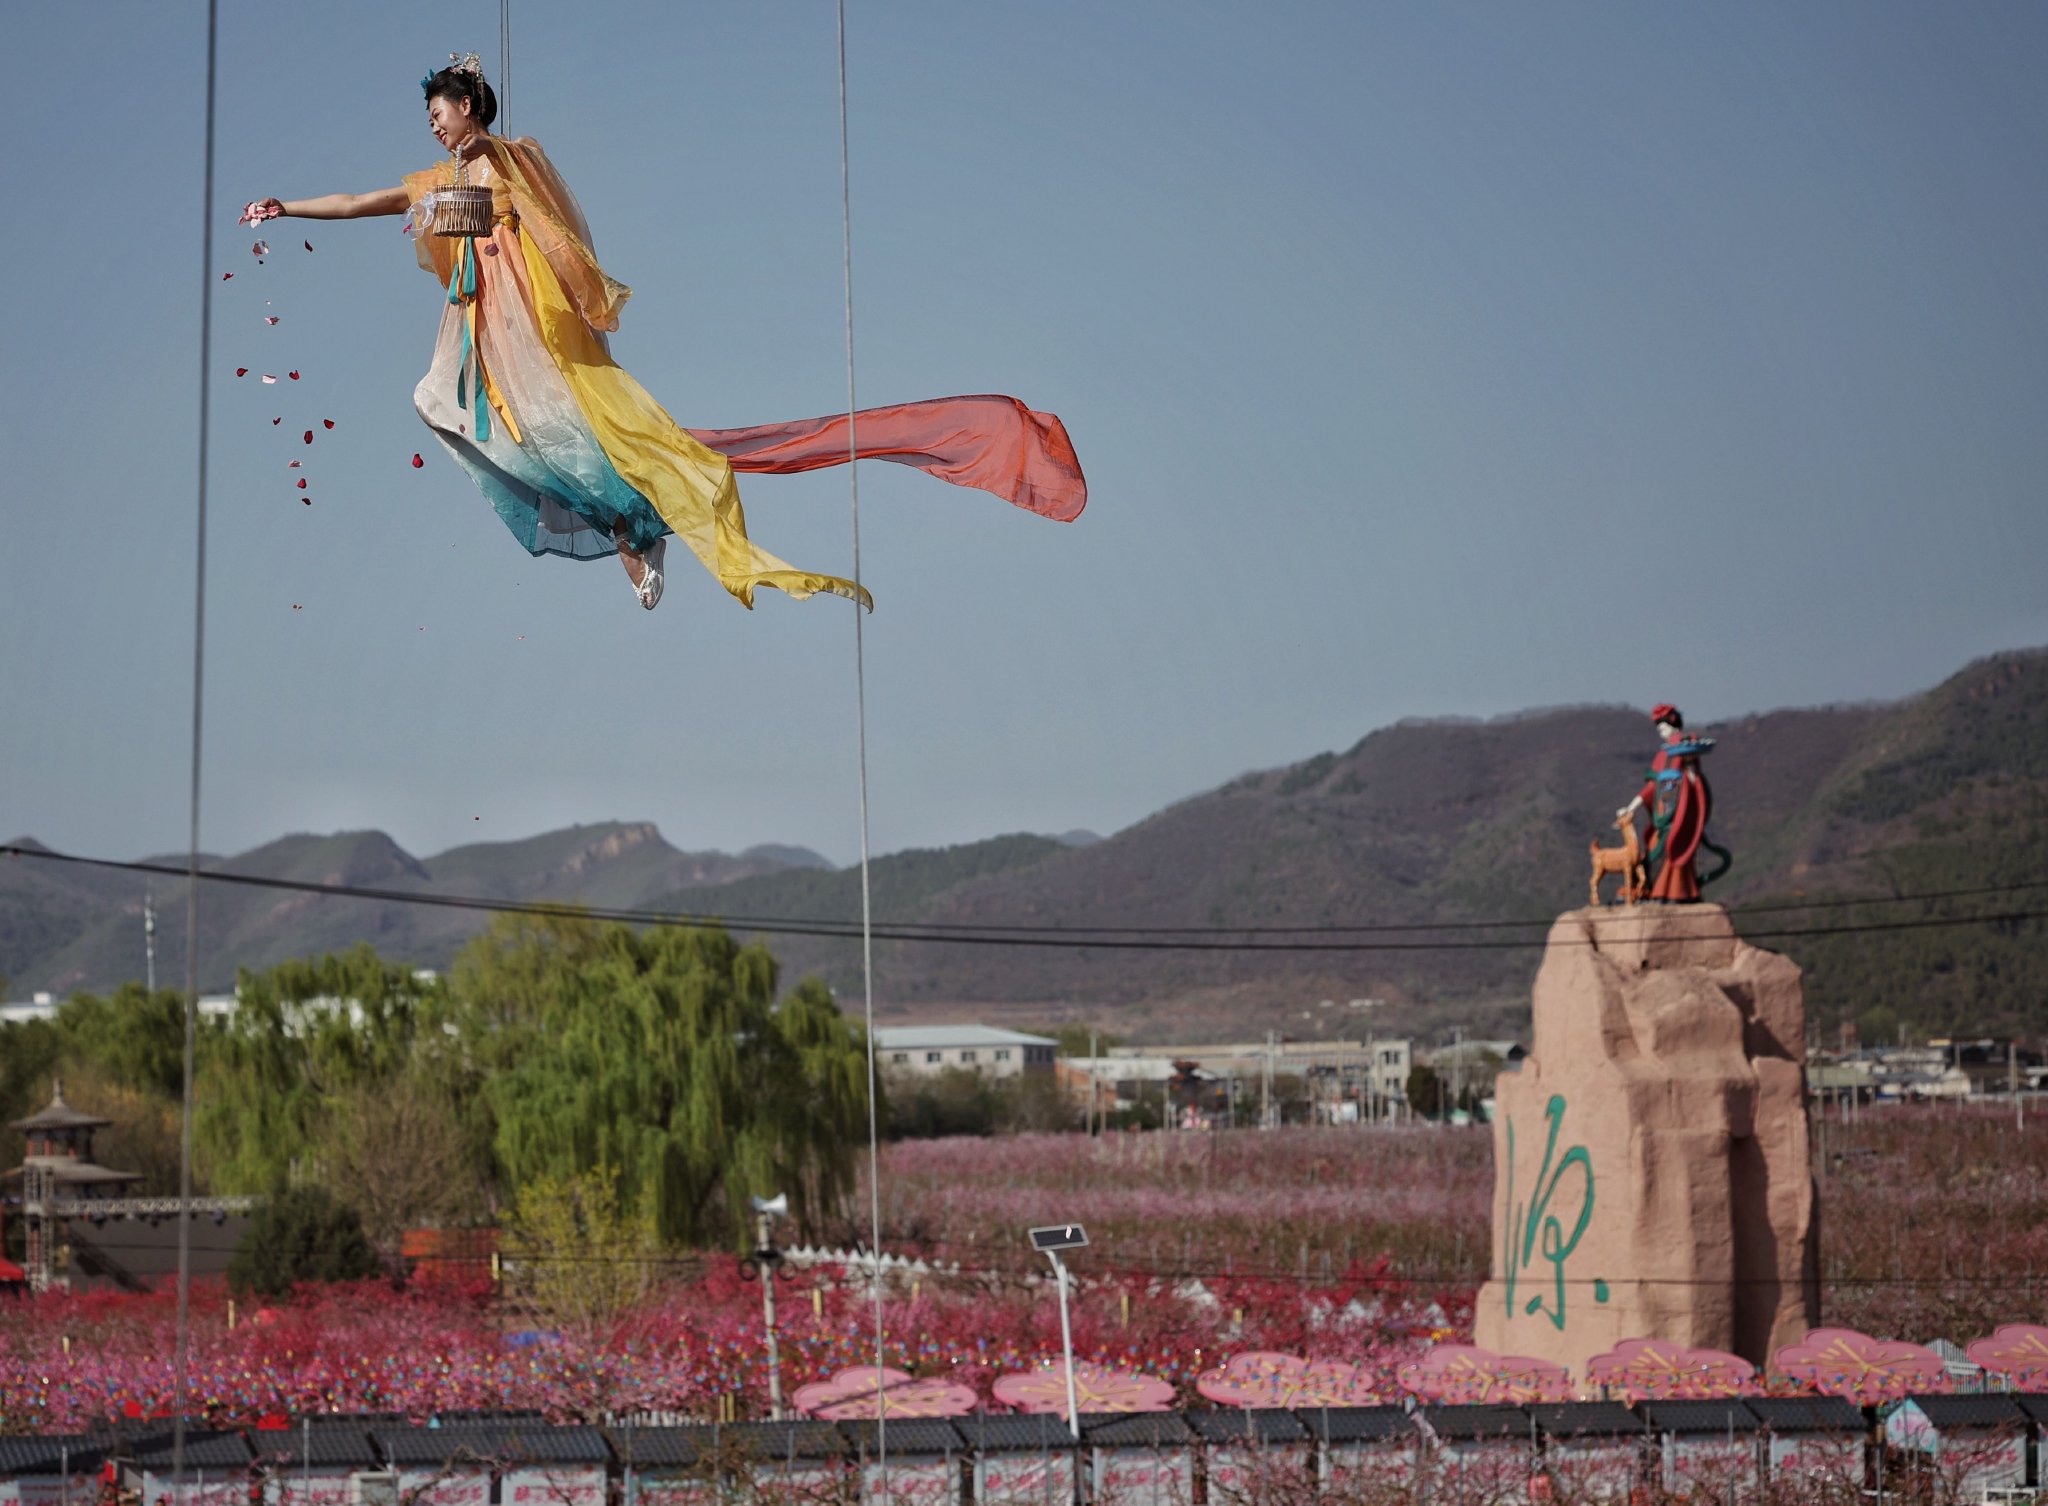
x=1680, y=801
x=1651, y=1178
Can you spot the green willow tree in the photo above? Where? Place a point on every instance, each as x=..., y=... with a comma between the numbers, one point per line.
x=662, y=1058
x=306, y=1038
x=133, y=1037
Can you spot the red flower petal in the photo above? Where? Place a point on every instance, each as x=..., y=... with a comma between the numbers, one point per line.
x=309, y=245
x=328, y=421
x=275, y=422
x=417, y=462
x=261, y=248
x=309, y=436
x=293, y=375
x=295, y=465
x=270, y=319
x=302, y=483
x=241, y=371
x=227, y=277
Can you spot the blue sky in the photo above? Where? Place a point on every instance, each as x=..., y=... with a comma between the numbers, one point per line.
x=1424, y=360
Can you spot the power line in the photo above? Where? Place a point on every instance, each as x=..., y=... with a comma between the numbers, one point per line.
x=1089, y=939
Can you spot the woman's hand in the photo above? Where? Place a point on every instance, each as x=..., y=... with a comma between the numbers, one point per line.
x=256, y=211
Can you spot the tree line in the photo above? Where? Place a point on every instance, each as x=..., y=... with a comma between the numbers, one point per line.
x=561, y=1068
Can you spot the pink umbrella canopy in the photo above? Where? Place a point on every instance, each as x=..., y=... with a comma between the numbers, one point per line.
x=1097, y=1388
x=2019, y=1352
x=867, y=1392
x=1652, y=1370
x=1466, y=1374
x=1854, y=1366
x=1264, y=1378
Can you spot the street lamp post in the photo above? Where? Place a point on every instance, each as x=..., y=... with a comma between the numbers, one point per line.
x=1049, y=1242
x=766, y=1211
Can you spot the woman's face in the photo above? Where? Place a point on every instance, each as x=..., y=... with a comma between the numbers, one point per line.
x=450, y=120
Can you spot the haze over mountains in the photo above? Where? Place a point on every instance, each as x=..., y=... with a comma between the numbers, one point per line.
x=1424, y=824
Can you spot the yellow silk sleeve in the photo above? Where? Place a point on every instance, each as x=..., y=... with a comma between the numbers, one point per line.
x=689, y=484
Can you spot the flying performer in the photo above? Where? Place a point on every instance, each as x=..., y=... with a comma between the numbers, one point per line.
x=574, y=455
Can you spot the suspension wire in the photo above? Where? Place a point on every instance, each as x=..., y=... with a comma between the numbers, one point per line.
x=504, y=90
x=860, y=721
x=181, y=1355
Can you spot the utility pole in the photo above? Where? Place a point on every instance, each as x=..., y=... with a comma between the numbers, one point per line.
x=2012, y=1082
x=1823, y=1097
x=148, y=939
x=1266, y=1085
x=1372, y=1078
x=1094, y=1084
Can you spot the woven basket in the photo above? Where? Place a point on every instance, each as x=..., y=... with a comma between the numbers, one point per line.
x=463, y=211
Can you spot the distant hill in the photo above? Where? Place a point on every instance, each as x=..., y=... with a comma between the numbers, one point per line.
x=65, y=927
x=1427, y=823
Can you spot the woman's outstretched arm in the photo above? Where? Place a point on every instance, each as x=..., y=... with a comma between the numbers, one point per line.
x=337, y=206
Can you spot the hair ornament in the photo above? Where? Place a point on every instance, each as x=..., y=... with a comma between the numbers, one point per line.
x=458, y=62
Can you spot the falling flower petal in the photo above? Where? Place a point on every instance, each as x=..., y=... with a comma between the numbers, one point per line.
x=295, y=465
x=242, y=371
x=269, y=379
x=417, y=462
x=307, y=500
x=293, y=375
x=261, y=248
x=275, y=422
x=297, y=608
x=302, y=483
x=309, y=245
x=309, y=436
x=328, y=421
x=227, y=277
x=270, y=319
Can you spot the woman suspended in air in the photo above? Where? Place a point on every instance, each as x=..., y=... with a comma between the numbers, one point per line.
x=575, y=456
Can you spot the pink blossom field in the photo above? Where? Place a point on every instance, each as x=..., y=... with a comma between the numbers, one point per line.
x=1360, y=1245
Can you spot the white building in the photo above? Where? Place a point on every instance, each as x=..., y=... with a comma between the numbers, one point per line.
x=978, y=1048
x=1349, y=1081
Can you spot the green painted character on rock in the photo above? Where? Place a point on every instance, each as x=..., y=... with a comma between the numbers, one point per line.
x=1536, y=1232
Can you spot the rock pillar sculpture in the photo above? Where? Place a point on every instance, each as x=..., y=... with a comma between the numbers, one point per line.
x=1651, y=1173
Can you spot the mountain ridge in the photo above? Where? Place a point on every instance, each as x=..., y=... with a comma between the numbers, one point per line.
x=1425, y=822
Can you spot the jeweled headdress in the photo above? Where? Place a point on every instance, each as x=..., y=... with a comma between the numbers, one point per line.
x=459, y=62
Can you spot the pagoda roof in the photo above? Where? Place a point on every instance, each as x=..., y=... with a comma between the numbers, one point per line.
x=58, y=1114
x=69, y=1173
